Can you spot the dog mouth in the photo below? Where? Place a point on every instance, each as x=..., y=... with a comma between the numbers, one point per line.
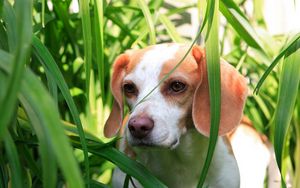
x=159, y=145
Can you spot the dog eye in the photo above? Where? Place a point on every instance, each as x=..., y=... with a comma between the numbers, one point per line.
x=129, y=88
x=177, y=86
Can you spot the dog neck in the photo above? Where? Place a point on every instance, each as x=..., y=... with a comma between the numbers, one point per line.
x=181, y=167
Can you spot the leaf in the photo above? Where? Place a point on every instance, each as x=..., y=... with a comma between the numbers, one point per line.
x=288, y=90
x=170, y=28
x=213, y=70
x=99, y=36
x=46, y=121
x=45, y=58
x=21, y=52
x=287, y=47
x=149, y=20
x=4, y=174
x=14, y=162
x=126, y=164
x=87, y=41
x=240, y=24
x=45, y=148
x=9, y=17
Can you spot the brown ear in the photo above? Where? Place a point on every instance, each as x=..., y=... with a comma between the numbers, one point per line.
x=233, y=97
x=114, y=121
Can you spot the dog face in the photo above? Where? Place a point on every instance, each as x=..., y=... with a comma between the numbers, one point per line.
x=177, y=102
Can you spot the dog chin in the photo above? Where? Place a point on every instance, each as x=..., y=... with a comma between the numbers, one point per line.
x=152, y=145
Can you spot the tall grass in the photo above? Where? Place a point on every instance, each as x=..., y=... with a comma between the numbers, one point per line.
x=54, y=78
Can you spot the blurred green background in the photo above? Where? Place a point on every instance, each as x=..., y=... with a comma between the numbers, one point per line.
x=55, y=67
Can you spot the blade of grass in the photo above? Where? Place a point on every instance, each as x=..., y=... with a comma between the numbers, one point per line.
x=99, y=33
x=213, y=70
x=61, y=11
x=34, y=94
x=149, y=20
x=170, y=28
x=240, y=24
x=17, y=179
x=4, y=174
x=48, y=161
x=24, y=30
x=288, y=90
x=297, y=152
x=126, y=164
x=9, y=17
x=52, y=86
x=87, y=41
x=209, y=16
x=43, y=13
x=232, y=5
x=45, y=58
x=3, y=38
x=287, y=47
x=179, y=10
x=30, y=161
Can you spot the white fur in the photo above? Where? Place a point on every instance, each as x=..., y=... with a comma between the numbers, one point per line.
x=253, y=158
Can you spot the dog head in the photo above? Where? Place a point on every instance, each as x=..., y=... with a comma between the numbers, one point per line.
x=179, y=102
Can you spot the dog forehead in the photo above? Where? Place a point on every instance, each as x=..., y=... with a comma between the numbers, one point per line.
x=149, y=63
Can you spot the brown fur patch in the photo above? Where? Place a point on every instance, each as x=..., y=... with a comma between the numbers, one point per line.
x=135, y=58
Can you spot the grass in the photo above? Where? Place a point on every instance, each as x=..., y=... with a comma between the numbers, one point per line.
x=54, y=77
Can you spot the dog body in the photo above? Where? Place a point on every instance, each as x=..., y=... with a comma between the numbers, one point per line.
x=170, y=114
x=181, y=167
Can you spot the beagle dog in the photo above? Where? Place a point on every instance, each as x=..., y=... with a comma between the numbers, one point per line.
x=169, y=121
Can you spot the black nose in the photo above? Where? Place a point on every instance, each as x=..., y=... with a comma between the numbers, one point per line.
x=140, y=127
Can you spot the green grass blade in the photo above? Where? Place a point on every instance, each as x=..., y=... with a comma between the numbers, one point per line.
x=209, y=16
x=275, y=61
x=240, y=24
x=9, y=17
x=14, y=162
x=34, y=94
x=24, y=30
x=87, y=40
x=62, y=13
x=4, y=174
x=149, y=20
x=48, y=161
x=99, y=33
x=170, y=28
x=213, y=70
x=52, y=86
x=232, y=5
x=131, y=167
x=43, y=13
x=126, y=164
x=45, y=58
x=297, y=152
x=37, y=97
x=288, y=90
x=3, y=38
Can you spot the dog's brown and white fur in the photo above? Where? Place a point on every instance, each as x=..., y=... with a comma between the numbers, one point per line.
x=168, y=129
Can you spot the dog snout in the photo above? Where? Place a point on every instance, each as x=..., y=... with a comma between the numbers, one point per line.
x=140, y=127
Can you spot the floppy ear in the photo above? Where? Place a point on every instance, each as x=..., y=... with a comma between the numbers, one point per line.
x=233, y=96
x=114, y=121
